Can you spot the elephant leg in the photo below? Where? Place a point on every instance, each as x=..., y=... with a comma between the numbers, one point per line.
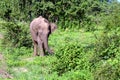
x=35, y=48
x=40, y=45
x=45, y=41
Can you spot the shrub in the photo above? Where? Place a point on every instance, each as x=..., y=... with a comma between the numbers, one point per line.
x=105, y=61
x=71, y=56
x=77, y=75
x=107, y=46
x=111, y=19
x=16, y=34
x=107, y=72
x=15, y=55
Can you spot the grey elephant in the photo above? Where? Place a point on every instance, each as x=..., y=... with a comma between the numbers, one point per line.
x=40, y=29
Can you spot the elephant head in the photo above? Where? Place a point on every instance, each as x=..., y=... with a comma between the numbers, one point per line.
x=40, y=29
x=53, y=27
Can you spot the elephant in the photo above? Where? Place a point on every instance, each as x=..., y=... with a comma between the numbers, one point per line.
x=40, y=29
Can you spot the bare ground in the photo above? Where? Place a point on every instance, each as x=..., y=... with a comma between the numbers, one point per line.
x=3, y=72
x=1, y=36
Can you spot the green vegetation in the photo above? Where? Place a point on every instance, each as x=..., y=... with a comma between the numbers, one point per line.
x=86, y=45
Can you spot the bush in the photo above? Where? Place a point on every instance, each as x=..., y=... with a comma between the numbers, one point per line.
x=71, y=56
x=77, y=75
x=107, y=72
x=16, y=34
x=107, y=46
x=15, y=55
x=105, y=61
x=111, y=19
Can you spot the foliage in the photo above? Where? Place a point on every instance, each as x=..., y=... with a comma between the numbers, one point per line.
x=107, y=72
x=70, y=57
x=105, y=61
x=72, y=60
x=107, y=46
x=16, y=34
x=77, y=75
x=112, y=18
x=78, y=56
x=69, y=14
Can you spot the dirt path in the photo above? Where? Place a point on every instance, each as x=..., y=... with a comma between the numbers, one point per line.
x=3, y=66
x=1, y=36
x=3, y=72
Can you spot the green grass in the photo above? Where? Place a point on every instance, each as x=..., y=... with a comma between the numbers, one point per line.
x=23, y=66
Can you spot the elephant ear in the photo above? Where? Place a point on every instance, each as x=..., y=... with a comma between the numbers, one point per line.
x=53, y=27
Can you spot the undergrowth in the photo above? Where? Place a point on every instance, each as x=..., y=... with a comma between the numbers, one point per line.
x=78, y=55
